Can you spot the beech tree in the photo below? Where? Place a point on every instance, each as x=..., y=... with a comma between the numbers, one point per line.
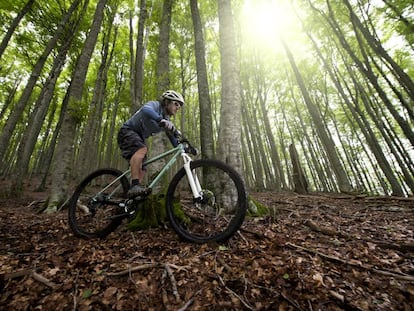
x=63, y=160
x=334, y=106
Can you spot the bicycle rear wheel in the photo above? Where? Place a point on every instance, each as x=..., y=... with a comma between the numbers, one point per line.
x=94, y=205
x=220, y=211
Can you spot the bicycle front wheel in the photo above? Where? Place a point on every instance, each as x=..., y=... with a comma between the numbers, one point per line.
x=219, y=211
x=94, y=206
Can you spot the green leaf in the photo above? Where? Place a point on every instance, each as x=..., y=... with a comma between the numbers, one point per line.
x=286, y=276
x=87, y=293
x=223, y=248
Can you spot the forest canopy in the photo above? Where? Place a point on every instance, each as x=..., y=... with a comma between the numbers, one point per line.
x=325, y=88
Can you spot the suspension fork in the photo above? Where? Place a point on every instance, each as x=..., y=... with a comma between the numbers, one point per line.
x=192, y=177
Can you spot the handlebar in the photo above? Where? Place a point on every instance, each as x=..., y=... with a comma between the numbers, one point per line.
x=183, y=140
x=188, y=148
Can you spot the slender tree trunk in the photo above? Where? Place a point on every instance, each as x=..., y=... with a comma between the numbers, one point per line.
x=112, y=110
x=370, y=75
x=140, y=52
x=160, y=142
x=279, y=181
x=299, y=178
x=8, y=103
x=328, y=144
x=405, y=81
x=255, y=158
x=206, y=123
x=63, y=159
x=88, y=153
x=371, y=138
x=36, y=120
x=13, y=26
x=17, y=112
x=163, y=60
x=132, y=66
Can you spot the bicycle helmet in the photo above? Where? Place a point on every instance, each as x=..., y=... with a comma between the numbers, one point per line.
x=173, y=95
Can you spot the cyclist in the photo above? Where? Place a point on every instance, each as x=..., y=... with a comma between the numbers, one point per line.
x=147, y=121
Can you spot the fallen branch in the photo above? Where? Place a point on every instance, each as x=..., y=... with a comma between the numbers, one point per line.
x=234, y=294
x=186, y=305
x=30, y=272
x=189, y=302
x=173, y=282
x=14, y=275
x=331, y=232
x=256, y=234
x=134, y=269
x=143, y=267
x=358, y=265
x=402, y=247
x=43, y=280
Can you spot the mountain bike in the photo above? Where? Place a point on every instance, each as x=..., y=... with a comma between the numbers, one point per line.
x=205, y=200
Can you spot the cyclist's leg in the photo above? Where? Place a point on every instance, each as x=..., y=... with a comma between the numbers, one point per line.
x=136, y=164
x=133, y=148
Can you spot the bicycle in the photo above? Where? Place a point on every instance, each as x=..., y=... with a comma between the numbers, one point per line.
x=205, y=200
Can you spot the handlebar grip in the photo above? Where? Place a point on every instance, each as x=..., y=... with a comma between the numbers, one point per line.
x=191, y=150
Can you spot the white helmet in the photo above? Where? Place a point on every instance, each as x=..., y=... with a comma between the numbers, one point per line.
x=173, y=95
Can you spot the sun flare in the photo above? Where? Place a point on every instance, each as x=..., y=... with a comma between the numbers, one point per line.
x=264, y=21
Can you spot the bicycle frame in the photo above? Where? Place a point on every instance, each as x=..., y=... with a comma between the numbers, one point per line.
x=177, y=151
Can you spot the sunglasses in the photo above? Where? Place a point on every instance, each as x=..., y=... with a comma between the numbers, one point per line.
x=177, y=104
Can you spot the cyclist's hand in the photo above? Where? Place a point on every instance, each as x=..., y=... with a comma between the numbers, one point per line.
x=167, y=124
x=191, y=150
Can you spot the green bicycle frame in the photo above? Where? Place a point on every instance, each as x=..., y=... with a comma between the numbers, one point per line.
x=177, y=151
x=192, y=178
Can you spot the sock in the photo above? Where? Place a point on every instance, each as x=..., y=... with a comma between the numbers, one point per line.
x=135, y=182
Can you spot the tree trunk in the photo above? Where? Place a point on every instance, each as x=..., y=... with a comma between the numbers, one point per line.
x=36, y=120
x=255, y=158
x=229, y=138
x=17, y=112
x=367, y=71
x=326, y=140
x=372, y=140
x=13, y=26
x=112, y=110
x=206, y=123
x=299, y=178
x=139, y=57
x=63, y=160
x=89, y=146
x=160, y=142
x=403, y=78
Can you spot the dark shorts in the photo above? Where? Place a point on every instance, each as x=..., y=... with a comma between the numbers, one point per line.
x=129, y=142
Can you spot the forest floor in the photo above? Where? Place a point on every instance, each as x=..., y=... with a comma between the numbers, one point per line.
x=314, y=252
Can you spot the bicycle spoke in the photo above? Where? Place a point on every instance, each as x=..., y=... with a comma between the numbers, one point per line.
x=218, y=213
x=96, y=202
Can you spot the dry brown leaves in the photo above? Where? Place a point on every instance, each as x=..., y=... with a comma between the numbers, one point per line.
x=317, y=252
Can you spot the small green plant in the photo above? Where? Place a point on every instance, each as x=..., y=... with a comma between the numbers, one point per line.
x=256, y=208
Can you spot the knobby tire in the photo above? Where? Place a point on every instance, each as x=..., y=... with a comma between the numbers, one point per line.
x=91, y=215
x=219, y=215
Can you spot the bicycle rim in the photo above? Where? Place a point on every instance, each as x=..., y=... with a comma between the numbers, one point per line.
x=95, y=203
x=218, y=214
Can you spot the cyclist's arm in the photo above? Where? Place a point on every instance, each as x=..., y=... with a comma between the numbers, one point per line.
x=149, y=112
x=173, y=139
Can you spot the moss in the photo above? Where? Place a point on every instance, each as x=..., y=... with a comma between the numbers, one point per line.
x=256, y=208
x=179, y=213
x=151, y=213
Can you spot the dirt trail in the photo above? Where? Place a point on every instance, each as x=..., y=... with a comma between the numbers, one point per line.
x=316, y=252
